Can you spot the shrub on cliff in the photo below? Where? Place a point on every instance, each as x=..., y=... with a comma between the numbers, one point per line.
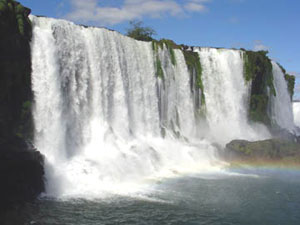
x=140, y=32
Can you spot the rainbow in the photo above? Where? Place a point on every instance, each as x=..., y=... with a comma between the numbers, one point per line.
x=265, y=164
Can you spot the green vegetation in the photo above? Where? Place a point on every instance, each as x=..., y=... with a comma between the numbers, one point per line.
x=258, y=64
x=158, y=66
x=26, y=108
x=15, y=67
x=258, y=69
x=140, y=32
x=192, y=60
x=3, y=5
x=291, y=83
x=258, y=109
x=159, y=70
x=15, y=11
x=290, y=79
x=170, y=45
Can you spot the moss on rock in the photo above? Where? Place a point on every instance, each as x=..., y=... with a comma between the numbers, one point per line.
x=15, y=70
x=193, y=63
x=258, y=109
x=290, y=79
x=258, y=70
x=159, y=69
x=21, y=166
x=169, y=44
x=192, y=60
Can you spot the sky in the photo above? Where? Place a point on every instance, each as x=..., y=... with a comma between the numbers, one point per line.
x=272, y=25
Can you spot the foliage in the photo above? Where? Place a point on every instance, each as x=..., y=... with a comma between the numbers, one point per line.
x=258, y=109
x=290, y=79
x=258, y=70
x=170, y=45
x=14, y=11
x=3, y=6
x=291, y=83
x=140, y=32
x=15, y=67
x=258, y=64
x=159, y=70
x=192, y=60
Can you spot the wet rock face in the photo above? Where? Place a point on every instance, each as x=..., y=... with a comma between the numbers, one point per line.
x=21, y=172
x=21, y=166
x=15, y=70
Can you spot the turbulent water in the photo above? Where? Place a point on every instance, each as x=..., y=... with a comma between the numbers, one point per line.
x=100, y=111
x=108, y=124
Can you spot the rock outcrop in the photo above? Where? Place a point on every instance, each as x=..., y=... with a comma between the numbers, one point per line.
x=21, y=166
x=272, y=149
x=21, y=173
x=15, y=70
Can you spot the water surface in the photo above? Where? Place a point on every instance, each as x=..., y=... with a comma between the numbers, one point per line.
x=241, y=196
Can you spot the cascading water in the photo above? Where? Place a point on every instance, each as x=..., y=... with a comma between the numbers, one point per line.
x=226, y=96
x=107, y=123
x=282, y=109
x=100, y=111
x=296, y=110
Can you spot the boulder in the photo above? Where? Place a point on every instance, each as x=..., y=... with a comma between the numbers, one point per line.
x=271, y=150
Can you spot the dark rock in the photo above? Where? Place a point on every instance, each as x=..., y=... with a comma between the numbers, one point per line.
x=272, y=149
x=21, y=172
x=15, y=70
x=21, y=166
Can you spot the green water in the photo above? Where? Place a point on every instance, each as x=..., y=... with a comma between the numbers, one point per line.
x=241, y=197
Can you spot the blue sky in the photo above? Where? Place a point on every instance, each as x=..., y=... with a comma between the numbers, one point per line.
x=272, y=25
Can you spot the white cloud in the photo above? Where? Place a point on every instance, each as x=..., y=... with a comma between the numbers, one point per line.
x=193, y=6
x=259, y=46
x=92, y=11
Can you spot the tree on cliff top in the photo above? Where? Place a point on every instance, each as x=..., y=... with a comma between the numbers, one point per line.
x=140, y=32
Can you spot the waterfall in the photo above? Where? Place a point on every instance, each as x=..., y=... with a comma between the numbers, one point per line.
x=103, y=119
x=296, y=111
x=282, y=109
x=108, y=123
x=227, y=95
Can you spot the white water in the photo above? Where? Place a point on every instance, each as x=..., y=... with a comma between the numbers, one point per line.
x=296, y=110
x=282, y=109
x=101, y=113
x=227, y=95
x=99, y=110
